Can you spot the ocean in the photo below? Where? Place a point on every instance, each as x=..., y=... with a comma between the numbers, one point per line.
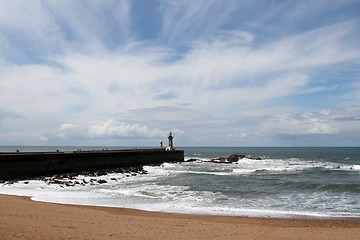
x=286, y=182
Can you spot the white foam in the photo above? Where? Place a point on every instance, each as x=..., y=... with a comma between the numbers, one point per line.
x=243, y=171
x=153, y=192
x=356, y=167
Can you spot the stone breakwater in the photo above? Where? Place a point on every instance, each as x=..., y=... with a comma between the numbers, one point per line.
x=28, y=165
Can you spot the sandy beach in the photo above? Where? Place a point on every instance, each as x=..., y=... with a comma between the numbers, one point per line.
x=22, y=218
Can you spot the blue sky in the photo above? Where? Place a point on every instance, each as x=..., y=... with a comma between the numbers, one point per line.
x=215, y=73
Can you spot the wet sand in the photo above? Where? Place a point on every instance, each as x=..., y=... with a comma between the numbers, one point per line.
x=21, y=218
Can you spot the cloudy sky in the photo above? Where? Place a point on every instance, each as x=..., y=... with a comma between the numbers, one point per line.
x=215, y=72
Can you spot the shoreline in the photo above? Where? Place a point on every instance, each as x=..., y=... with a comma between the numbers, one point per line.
x=21, y=218
x=263, y=215
x=284, y=216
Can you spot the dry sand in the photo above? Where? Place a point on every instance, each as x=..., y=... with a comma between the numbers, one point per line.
x=21, y=218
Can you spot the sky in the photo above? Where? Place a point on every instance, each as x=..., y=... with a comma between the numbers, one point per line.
x=214, y=72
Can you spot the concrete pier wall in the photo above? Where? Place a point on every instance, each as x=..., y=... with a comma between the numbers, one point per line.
x=25, y=165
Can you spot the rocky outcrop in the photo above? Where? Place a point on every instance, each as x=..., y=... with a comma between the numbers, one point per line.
x=73, y=179
x=230, y=159
x=193, y=160
x=234, y=158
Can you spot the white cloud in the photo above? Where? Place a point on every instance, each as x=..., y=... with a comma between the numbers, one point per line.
x=39, y=29
x=334, y=121
x=112, y=129
x=88, y=76
x=27, y=29
x=213, y=69
x=299, y=125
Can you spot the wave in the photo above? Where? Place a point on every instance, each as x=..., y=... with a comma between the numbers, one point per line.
x=276, y=166
x=266, y=187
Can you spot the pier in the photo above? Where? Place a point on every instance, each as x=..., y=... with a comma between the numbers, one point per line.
x=22, y=165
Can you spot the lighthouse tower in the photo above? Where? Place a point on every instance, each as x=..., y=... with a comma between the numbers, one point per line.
x=170, y=145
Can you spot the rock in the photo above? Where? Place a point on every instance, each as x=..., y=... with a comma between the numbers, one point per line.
x=234, y=158
x=71, y=176
x=230, y=159
x=54, y=181
x=192, y=160
x=218, y=160
x=11, y=182
x=101, y=173
x=136, y=169
x=69, y=183
x=144, y=172
x=101, y=181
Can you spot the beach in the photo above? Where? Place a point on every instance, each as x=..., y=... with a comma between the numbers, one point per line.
x=22, y=218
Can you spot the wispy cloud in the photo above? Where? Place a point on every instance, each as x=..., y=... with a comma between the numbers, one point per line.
x=186, y=20
x=85, y=63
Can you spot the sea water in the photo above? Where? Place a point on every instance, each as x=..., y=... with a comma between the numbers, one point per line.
x=286, y=182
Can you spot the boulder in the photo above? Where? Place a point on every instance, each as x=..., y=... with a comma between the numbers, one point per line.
x=101, y=173
x=71, y=176
x=69, y=183
x=230, y=159
x=144, y=172
x=192, y=160
x=233, y=158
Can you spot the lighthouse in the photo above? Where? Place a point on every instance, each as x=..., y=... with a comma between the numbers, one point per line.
x=170, y=145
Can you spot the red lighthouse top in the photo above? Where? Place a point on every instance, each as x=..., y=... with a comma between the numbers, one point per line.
x=170, y=134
